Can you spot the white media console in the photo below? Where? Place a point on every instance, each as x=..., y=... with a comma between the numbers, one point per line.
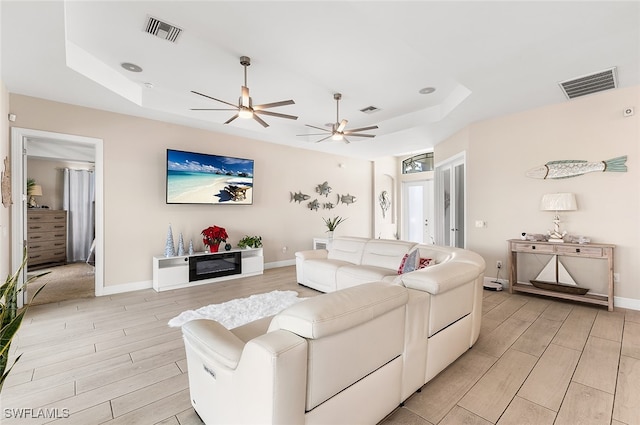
x=190, y=270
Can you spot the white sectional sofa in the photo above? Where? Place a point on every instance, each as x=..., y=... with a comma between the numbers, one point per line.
x=349, y=356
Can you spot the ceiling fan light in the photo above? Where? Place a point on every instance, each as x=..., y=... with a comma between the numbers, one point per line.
x=337, y=136
x=245, y=113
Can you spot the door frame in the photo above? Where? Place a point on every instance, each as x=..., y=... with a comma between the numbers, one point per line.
x=19, y=139
x=450, y=164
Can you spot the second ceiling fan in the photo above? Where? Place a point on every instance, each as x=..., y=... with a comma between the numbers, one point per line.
x=338, y=131
x=245, y=106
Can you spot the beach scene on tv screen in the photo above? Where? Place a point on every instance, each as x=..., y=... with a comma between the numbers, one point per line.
x=195, y=178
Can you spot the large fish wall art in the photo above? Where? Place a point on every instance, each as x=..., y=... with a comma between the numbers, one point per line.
x=572, y=168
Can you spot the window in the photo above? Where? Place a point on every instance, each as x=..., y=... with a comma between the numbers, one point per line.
x=418, y=163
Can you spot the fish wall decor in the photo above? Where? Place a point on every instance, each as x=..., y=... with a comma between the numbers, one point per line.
x=571, y=168
x=314, y=205
x=323, y=189
x=346, y=199
x=298, y=197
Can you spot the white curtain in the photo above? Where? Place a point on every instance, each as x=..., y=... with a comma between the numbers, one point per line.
x=78, y=200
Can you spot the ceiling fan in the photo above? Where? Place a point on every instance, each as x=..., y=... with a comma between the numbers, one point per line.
x=338, y=131
x=245, y=106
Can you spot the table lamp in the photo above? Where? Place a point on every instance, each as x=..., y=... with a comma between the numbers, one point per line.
x=558, y=202
x=36, y=190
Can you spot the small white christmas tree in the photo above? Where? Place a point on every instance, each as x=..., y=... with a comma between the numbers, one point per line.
x=180, y=245
x=169, y=249
x=191, y=247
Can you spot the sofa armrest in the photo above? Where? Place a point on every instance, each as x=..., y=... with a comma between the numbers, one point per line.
x=441, y=277
x=312, y=254
x=214, y=341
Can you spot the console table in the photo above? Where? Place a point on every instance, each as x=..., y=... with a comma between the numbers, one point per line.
x=591, y=250
x=173, y=272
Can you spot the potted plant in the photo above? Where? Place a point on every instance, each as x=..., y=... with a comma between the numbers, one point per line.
x=10, y=317
x=332, y=223
x=250, y=242
x=213, y=236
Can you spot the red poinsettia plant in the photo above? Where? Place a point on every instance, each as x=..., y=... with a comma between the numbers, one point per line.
x=214, y=235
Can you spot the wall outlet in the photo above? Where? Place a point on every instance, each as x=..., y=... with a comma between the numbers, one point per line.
x=498, y=264
x=616, y=277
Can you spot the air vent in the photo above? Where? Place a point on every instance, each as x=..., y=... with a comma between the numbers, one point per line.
x=593, y=83
x=162, y=29
x=370, y=109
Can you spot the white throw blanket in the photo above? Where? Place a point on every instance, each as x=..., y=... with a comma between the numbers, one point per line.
x=234, y=313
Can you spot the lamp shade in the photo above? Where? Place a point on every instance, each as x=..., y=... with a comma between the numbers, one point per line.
x=558, y=202
x=36, y=190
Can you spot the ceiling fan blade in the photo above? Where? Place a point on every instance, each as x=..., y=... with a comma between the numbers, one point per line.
x=318, y=128
x=213, y=98
x=245, y=97
x=257, y=118
x=274, y=104
x=275, y=114
x=355, y=130
x=345, y=140
x=209, y=109
x=231, y=119
x=318, y=141
x=359, y=135
x=312, y=134
x=341, y=126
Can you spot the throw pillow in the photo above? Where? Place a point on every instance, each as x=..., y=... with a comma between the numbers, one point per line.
x=404, y=260
x=409, y=262
x=424, y=262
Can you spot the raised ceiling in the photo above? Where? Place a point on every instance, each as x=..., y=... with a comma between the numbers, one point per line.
x=485, y=59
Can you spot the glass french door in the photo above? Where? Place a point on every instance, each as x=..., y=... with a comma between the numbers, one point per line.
x=418, y=211
x=450, y=203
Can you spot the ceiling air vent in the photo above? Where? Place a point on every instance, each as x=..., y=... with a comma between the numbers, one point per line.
x=162, y=30
x=593, y=83
x=369, y=109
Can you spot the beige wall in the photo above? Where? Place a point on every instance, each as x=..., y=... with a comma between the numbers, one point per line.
x=385, y=172
x=501, y=150
x=5, y=211
x=136, y=216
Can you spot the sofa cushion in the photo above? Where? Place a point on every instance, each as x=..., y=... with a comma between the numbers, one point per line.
x=352, y=275
x=347, y=249
x=385, y=253
x=331, y=313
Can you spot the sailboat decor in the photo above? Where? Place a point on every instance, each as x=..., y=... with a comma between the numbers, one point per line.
x=555, y=277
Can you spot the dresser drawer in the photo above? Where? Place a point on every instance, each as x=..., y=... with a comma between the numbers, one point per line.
x=44, y=226
x=51, y=256
x=45, y=245
x=534, y=248
x=60, y=235
x=580, y=251
x=44, y=216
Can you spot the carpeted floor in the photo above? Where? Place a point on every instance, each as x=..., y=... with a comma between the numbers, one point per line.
x=71, y=281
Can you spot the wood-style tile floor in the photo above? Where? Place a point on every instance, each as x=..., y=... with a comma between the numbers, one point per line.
x=114, y=360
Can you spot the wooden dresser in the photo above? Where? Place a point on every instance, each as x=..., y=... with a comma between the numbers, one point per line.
x=46, y=237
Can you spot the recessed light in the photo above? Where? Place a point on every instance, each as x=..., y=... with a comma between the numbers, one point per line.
x=427, y=90
x=148, y=85
x=131, y=67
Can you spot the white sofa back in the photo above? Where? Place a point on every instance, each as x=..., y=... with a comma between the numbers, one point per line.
x=385, y=253
x=347, y=249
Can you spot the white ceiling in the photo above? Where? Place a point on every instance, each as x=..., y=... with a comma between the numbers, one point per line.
x=485, y=59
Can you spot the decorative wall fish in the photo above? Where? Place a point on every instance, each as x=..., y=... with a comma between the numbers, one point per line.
x=328, y=205
x=347, y=199
x=298, y=197
x=323, y=189
x=572, y=168
x=314, y=205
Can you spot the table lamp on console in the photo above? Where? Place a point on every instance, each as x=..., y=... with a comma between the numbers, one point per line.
x=558, y=202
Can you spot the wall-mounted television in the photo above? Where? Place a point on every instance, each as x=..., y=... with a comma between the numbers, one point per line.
x=199, y=178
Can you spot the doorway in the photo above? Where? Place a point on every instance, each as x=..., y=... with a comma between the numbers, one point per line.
x=29, y=144
x=450, y=202
x=418, y=211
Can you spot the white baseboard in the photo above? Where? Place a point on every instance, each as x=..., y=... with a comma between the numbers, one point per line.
x=125, y=287
x=277, y=264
